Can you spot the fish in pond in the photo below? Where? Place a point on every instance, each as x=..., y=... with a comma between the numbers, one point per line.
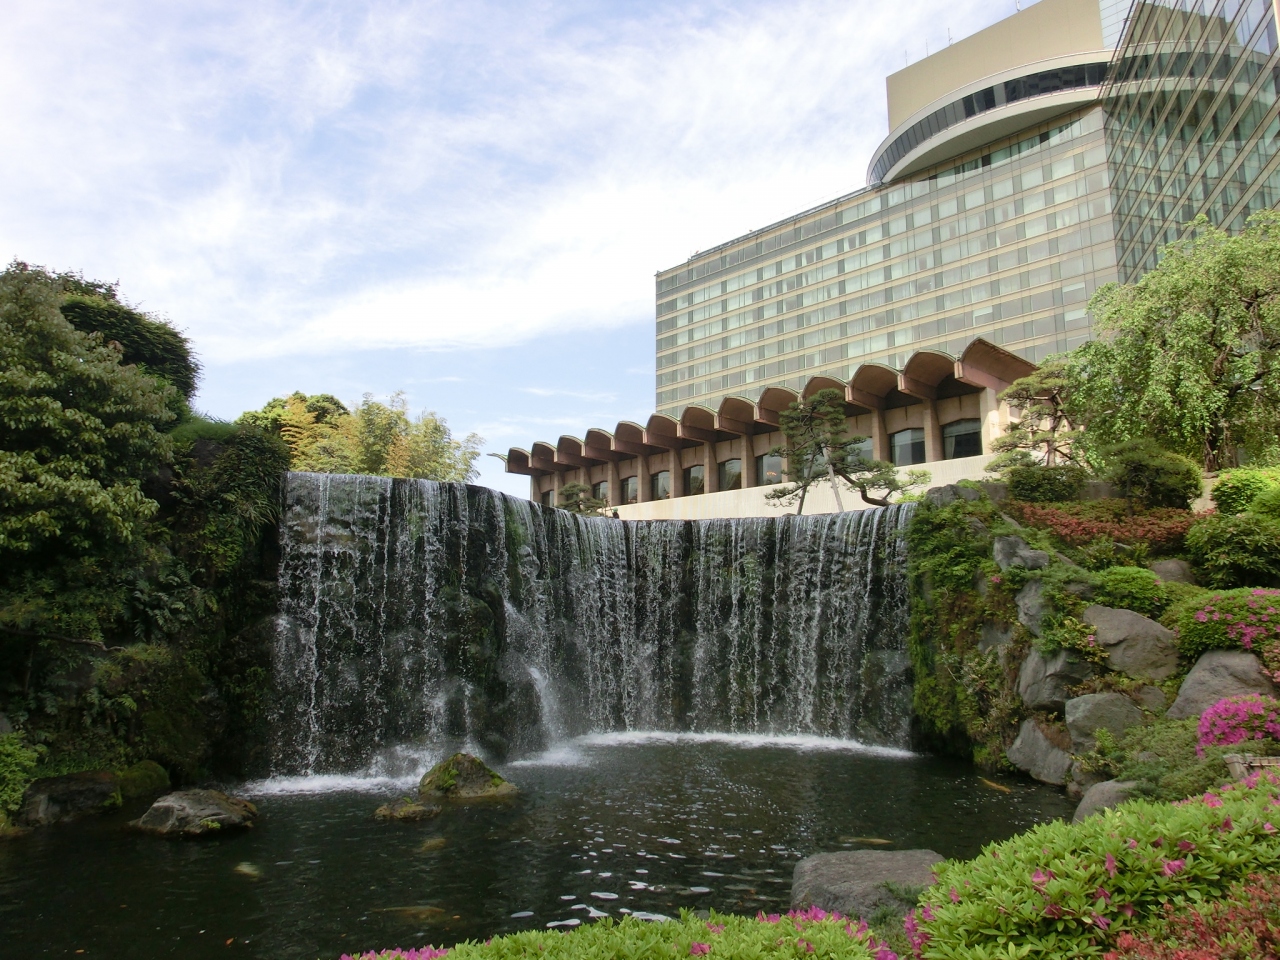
x=417, y=913
x=875, y=840
x=432, y=844
x=995, y=786
x=250, y=870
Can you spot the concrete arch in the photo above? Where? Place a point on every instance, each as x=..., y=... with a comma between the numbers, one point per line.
x=924, y=372
x=821, y=383
x=983, y=364
x=737, y=415
x=772, y=402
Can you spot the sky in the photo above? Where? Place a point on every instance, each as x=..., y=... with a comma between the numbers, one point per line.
x=464, y=201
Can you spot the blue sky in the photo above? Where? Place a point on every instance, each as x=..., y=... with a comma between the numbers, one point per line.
x=466, y=201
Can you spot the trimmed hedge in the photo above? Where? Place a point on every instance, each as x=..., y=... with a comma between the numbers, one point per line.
x=1069, y=890
x=1080, y=524
x=1244, y=619
x=1236, y=490
x=1241, y=551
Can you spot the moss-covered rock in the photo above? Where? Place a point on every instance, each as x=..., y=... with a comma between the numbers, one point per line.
x=406, y=808
x=464, y=778
x=144, y=779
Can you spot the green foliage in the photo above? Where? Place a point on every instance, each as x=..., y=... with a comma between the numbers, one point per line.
x=577, y=498
x=17, y=766
x=1134, y=588
x=1267, y=504
x=1236, y=551
x=194, y=427
x=1149, y=476
x=1042, y=434
x=1068, y=890
x=1244, y=619
x=1236, y=490
x=1068, y=633
x=143, y=779
x=1103, y=552
x=1190, y=355
x=323, y=436
x=1163, y=760
x=1046, y=484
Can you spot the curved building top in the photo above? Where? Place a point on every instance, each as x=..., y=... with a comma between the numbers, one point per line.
x=1044, y=61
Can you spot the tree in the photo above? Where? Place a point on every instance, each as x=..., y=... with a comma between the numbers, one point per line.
x=1044, y=432
x=1190, y=355
x=577, y=498
x=819, y=447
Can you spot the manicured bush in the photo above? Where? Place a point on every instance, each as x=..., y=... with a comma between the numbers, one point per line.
x=1267, y=504
x=1070, y=889
x=1081, y=524
x=1040, y=484
x=793, y=936
x=1150, y=476
x=17, y=764
x=1236, y=490
x=1164, y=758
x=1242, y=719
x=1244, y=925
x=1246, y=619
x=1134, y=588
x=1241, y=551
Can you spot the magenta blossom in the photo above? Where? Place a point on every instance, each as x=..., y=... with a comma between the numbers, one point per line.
x=698, y=949
x=1173, y=866
x=716, y=927
x=1111, y=864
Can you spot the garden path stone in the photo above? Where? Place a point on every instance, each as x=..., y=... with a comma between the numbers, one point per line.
x=1016, y=552
x=1043, y=680
x=1135, y=645
x=1102, y=796
x=1113, y=712
x=1036, y=754
x=51, y=799
x=192, y=813
x=852, y=882
x=1218, y=674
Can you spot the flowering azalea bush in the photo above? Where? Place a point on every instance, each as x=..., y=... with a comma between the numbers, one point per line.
x=1244, y=925
x=789, y=936
x=1079, y=524
x=1071, y=889
x=1238, y=719
x=1244, y=619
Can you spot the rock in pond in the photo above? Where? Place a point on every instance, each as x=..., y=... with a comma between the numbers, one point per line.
x=1102, y=796
x=51, y=799
x=1036, y=754
x=193, y=813
x=1016, y=552
x=463, y=778
x=406, y=809
x=1218, y=674
x=853, y=882
x=1113, y=712
x=1135, y=645
x=1043, y=680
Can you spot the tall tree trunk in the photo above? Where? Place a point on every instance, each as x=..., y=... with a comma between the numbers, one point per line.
x=835, y=488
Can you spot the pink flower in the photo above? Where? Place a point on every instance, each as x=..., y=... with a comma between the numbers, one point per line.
x=1186, y=846
x=955, y=897
x=1173, y=866
x=926, y=913
x=1268, y=828
x=1227, y=825
x=1111, y=865
x=1212, y=800
x=808, y=947
x=1101, y=921
x=1101, y=894
x=1127, y=909
x=1041, y=877
x=770, y=918
x=698, y=949
x=1052, y=910
x=716, y=927
x=1133, y=844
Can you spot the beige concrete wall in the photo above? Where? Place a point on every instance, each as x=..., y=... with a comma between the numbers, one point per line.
x=1050, y=28
x=751, y=501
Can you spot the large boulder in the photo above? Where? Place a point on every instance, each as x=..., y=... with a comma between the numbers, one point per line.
x=1036, y=754
x=1043, y=680
x=994, y=635
x=942, y=496
x=1016, y=552
x=463, y=778
x=51, y=799
x=193, y=813
x=1032, y=605
x=1135, y=645
x=1218, y=674
x=853, y=882
x=1101, y=796
x=1113, y=712
x=1173, y=571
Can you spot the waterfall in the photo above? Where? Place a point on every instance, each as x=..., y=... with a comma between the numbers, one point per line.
x=416, y=613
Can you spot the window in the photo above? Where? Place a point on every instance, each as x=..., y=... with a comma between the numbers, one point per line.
x=600, y=491
x=694, y=481
x=768, y=470
x=660, y=485
x=862, y=449
x=630, y=489
x=731, y=475
x=907, y=447
x=548, y=498
x=961, y=438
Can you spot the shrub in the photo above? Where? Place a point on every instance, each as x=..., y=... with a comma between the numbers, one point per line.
x=1167, y=762
x=1244, y=925
x=1040, y=484
x=1236, y=490
x=1151, y=476
x=1227, y=620
x=792, y=935
x=1235, y=720
x=1081, y=524
x=1134, y=588
x=1239, y=551
x=1067, y=890
x=1267, y=503
x=17, y=763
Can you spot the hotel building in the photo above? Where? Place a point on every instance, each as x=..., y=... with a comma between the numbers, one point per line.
x=1026, y=166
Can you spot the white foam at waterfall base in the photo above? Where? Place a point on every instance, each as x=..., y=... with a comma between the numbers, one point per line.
x=799, y=742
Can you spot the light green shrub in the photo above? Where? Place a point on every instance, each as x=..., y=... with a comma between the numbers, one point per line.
x=1236, y=490
x=1267, y=503
x=17, y=763
x=1039, y=484
x=1151, y=476
x=1134, y=588
x=1240, y=551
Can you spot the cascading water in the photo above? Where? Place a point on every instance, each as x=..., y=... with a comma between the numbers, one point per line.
x=416, y=613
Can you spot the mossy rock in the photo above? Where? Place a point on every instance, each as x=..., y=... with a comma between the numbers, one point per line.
x=406, y=809
x=464, y=778
x=144, y=779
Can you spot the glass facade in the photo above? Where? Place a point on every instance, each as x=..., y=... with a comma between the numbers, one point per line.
x=600, y=490
x=730, y=477
x=961, y=438
x=630, y=490
x=694, y=481
x=906, y=447
x=1192, y=122
x=768, y=469
x=660, y=485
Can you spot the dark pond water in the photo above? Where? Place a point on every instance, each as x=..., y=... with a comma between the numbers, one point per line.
x=606, y=825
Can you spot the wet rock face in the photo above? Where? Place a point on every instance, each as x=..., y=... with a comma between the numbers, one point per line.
x=1016, y=552
x=52, y=799
x=1031, y=606
x=1218, y=674
x=1036, y=754
x=1113, y=712
x=463, y=778
x=406, y=809
x=193, y=813
x=1135, y=645
x=1043, y=680
x=852, y=882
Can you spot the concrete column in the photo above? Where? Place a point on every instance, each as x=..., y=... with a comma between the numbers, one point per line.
x=710, y=469
x=677, y=474
x=642, y=479
x=932, y=432
x=615, y=484
x=535, y=492
x=748, y=462
x=993, y=421
x=557, y=482
x=879, y=436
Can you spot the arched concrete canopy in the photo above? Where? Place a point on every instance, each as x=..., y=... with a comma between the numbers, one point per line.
x=628, y=437
x=570, y=450
x=925, y=370
x=983, y=364
x=772, y=402
x=699, y=423
x=519, y=461
x=544, y=451
x=821, y=383
x=662, y=431
x=737, y=415
x=599, y=445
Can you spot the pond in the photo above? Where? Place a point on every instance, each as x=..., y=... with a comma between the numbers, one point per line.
x=644, y=823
